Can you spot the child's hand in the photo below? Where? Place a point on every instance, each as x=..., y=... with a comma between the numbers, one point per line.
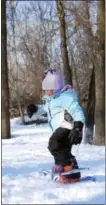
x=75, y=136
x=31, y=109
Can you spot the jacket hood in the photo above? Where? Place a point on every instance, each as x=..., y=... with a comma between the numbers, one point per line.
x=67, y=87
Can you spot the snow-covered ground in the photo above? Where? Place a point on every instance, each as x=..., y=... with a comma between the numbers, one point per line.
x=26, y=153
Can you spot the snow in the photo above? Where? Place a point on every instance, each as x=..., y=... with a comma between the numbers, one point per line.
x=26, y=154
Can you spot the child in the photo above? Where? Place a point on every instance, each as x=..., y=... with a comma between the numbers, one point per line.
x=66, y=119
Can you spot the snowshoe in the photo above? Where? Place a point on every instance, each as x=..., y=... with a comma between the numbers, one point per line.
x=58, y=174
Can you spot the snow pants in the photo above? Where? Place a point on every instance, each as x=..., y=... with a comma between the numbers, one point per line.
x=60, y=147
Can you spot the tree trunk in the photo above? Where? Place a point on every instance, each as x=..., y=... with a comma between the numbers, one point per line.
x=63, y=44
x=4, y=76
x=13, y=13
x=20, y=108
x=100, y=76
x=90, y=112
x=86, y=24
x=100, y=99
x=89, y=38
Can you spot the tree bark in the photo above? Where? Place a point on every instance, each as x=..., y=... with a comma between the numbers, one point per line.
x=89, y=38
x=4, y=76
x=13, y=13
x=100, y=76
x=63, y=44
x=86, y=24
x=90, y=111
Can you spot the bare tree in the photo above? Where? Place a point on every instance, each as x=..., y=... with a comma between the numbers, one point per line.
x=63, y=44
x=96, y=53
x=13, y=6
x=89, y=38
x=100, y=75
x=4, y=77
x=90, y=111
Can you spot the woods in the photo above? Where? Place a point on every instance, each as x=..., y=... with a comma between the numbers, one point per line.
x=66, y=35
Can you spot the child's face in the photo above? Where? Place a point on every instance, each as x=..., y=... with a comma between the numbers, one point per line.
x=49, y=92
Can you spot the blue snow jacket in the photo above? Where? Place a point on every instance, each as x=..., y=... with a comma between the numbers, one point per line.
x=57, y=105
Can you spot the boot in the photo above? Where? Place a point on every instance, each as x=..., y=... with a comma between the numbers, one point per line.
x=69, y=178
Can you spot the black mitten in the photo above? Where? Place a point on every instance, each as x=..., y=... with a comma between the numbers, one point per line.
x=75, y=136
x=31, y=109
